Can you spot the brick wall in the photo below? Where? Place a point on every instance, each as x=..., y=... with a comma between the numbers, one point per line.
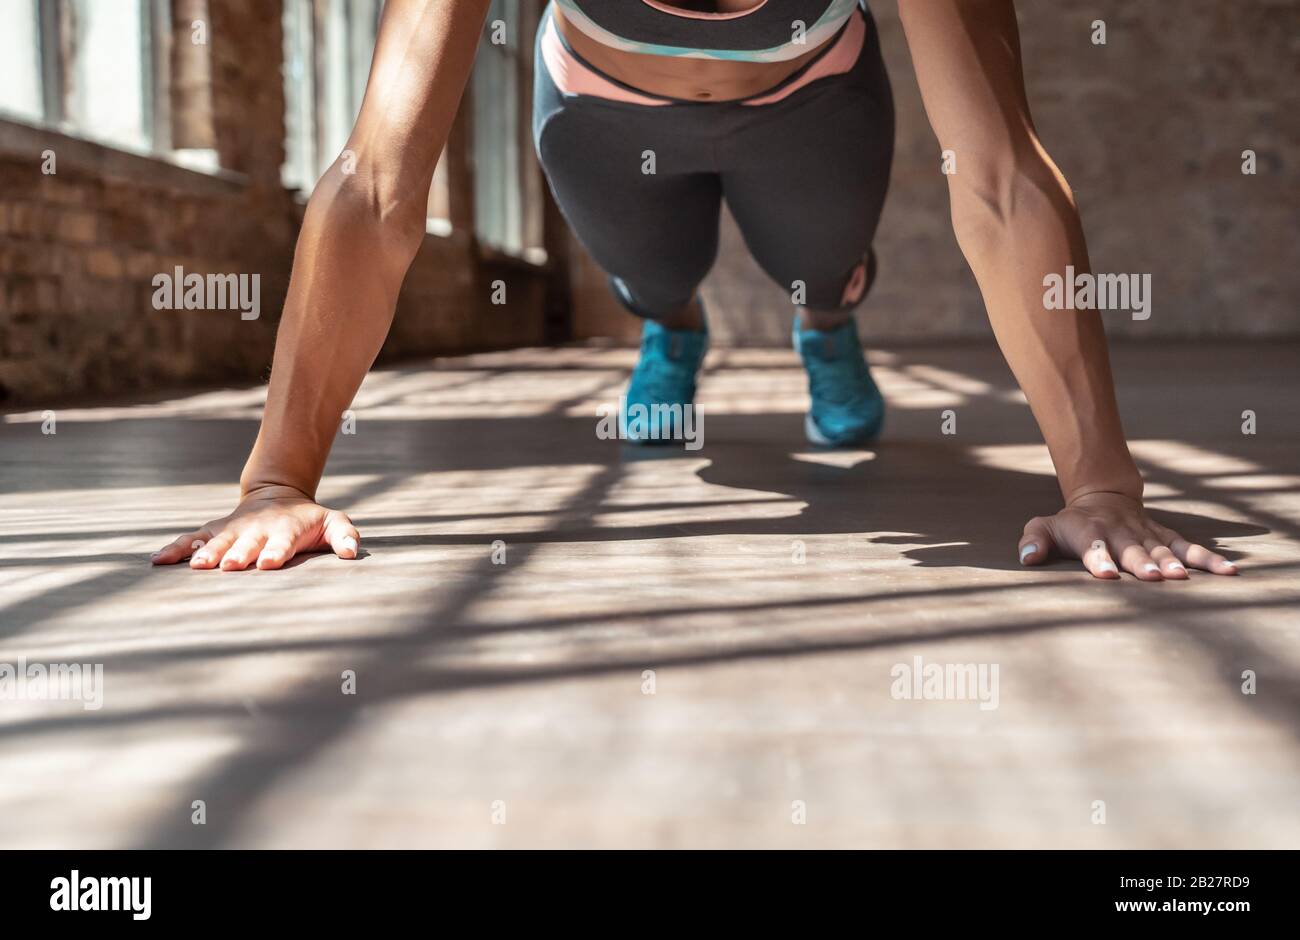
x=1148, y=129
x=79, y=249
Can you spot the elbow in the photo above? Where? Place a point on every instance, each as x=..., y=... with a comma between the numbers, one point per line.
x=991, y=203
x=365, y=207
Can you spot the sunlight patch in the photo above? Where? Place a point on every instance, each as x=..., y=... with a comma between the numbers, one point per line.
x=843, y=459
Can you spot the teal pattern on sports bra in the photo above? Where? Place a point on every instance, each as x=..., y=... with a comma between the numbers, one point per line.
x=827, y=25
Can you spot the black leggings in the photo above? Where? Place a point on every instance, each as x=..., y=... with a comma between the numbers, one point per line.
x=805, y=178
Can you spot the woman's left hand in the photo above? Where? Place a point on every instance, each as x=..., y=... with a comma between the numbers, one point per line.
x=1103, y=529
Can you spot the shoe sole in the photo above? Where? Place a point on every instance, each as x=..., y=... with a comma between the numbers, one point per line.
x=815, y=435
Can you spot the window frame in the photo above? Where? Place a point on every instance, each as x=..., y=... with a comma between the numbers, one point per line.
x=527, y=188
x=54, y=25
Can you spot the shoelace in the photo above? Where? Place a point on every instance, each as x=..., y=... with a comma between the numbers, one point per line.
x=662, y=376
x=835, y=380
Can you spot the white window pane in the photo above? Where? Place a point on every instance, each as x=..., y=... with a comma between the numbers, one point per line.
x=439, y=214
x=336, y=112
x=363, y=15
x=107, y=97
x=328, y=49
x=498, y=211
x=20, y=61
x=299, y=96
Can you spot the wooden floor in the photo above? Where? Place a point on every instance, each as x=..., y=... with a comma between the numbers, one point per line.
x=764, y=592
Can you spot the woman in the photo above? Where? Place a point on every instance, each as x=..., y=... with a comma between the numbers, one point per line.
x=648, y=114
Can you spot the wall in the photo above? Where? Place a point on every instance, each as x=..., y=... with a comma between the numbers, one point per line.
x=1148, y=129
x=78, y=249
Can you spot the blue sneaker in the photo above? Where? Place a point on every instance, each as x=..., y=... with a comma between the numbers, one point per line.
x=847, y=408
x=664, y=375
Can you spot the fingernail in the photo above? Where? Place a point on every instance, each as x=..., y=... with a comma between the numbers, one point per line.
x=1106, y=566
x=350, y=544
x=1151, y=567
x=1027, y=551
x=1175, y=566
x=1228, y=564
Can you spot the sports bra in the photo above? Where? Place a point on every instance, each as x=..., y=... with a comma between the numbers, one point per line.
x=772, y=31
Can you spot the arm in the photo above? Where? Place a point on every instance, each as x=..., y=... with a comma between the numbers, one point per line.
x=1015, y=220
x=359, y=236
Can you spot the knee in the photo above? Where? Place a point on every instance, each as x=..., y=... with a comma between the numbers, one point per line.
x=653, y=301
x=824, y=286
x=657, y=285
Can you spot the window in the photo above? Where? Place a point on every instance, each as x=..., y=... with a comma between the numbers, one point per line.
x=328, y=45
x=507, y=185
x=299, y=96
x=327, y=50
x=106, y=93
x=87, y=67
x=20, y=60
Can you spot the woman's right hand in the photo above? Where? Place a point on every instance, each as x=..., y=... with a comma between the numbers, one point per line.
x=268, y=527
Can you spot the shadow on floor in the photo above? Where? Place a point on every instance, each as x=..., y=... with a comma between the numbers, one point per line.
x=913, y=490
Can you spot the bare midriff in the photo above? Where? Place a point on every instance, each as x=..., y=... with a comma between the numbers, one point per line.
x=678, y=77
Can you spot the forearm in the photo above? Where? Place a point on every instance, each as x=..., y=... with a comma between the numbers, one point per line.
x=364, y=224
x=348, y=269
x=1015, y=227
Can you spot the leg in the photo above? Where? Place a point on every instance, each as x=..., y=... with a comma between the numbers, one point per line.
x=806, y=183
x=824, y=319
x=652, y=228
x=646, y=207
